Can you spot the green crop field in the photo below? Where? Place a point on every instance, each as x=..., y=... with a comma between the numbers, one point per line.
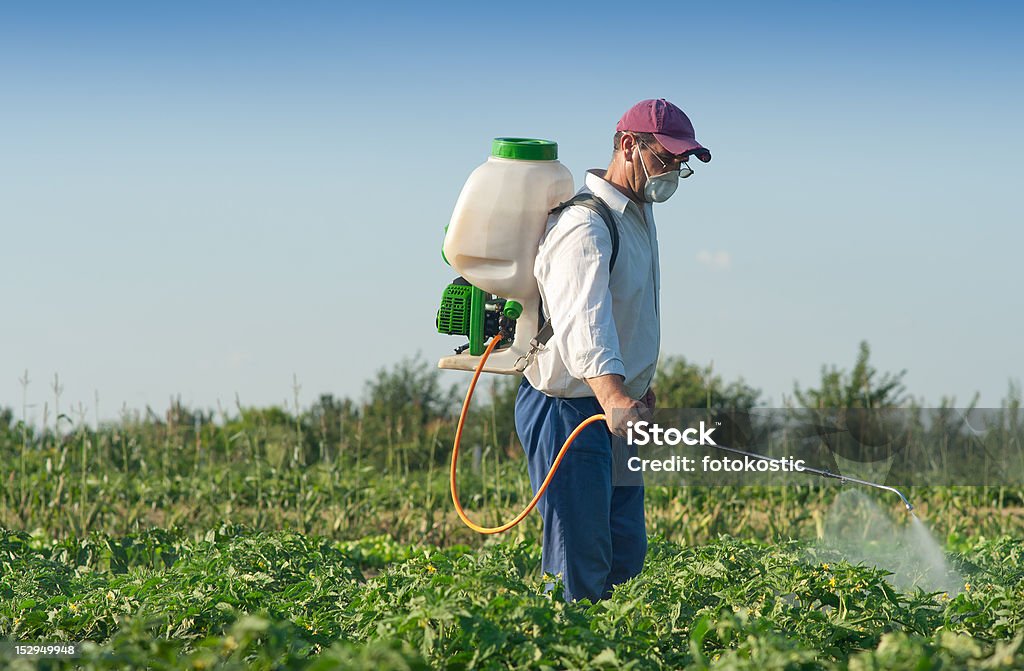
x=326, y=539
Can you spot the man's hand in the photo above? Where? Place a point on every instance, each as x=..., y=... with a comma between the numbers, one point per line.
x=650, y=400
x=619, y=408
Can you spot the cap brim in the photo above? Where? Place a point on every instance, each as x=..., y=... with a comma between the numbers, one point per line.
x=679, y=146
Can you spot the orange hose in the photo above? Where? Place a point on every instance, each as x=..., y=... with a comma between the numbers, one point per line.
x=455, y=455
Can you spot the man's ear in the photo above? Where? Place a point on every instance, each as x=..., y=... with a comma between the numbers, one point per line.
x=627, y=143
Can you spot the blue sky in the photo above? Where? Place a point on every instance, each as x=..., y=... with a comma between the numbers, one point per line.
x=207, y=199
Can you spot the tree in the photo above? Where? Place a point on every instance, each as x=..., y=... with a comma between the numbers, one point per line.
x=856, y=413
x=860, y=388
x=680, y=384
x=411, y=390
x=406, y=414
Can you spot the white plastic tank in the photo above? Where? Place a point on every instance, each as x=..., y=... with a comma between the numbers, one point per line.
x=500, y=216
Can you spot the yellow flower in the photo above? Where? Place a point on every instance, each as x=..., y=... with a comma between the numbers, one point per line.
x=73, y=607
x=832, y=582
x=110, y=595
x=431, y=568
x=967, y=587
x=824, y=566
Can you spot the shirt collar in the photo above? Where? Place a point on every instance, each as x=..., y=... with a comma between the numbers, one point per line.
x=604, y=190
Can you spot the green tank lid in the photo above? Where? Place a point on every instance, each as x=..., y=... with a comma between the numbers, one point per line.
x=524, y=149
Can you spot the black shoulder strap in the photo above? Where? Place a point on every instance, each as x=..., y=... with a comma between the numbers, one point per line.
x=599, y=207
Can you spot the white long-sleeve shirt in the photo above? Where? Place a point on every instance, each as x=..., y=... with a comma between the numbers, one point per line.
x=600, y=327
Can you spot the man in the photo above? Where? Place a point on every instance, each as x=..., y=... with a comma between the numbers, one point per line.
x=603, y=352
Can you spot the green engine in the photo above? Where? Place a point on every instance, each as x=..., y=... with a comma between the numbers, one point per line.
x=471, y=312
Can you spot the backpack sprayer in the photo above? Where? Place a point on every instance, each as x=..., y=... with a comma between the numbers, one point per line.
x=492, y=242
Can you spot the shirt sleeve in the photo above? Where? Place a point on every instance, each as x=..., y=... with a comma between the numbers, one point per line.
x=572, y=273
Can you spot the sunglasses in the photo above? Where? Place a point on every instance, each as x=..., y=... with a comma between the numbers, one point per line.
x=684, y=169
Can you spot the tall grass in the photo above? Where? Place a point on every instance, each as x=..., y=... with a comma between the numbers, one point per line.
x=271, y=469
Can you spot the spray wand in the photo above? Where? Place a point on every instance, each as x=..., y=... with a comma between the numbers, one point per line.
x=822, y=472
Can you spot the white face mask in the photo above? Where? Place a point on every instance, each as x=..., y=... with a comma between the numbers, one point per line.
x=659, y=188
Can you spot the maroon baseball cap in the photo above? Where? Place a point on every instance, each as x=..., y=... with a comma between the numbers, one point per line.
x=668, y=123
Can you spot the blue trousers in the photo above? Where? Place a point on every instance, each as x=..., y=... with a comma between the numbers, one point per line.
x=594, y=530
